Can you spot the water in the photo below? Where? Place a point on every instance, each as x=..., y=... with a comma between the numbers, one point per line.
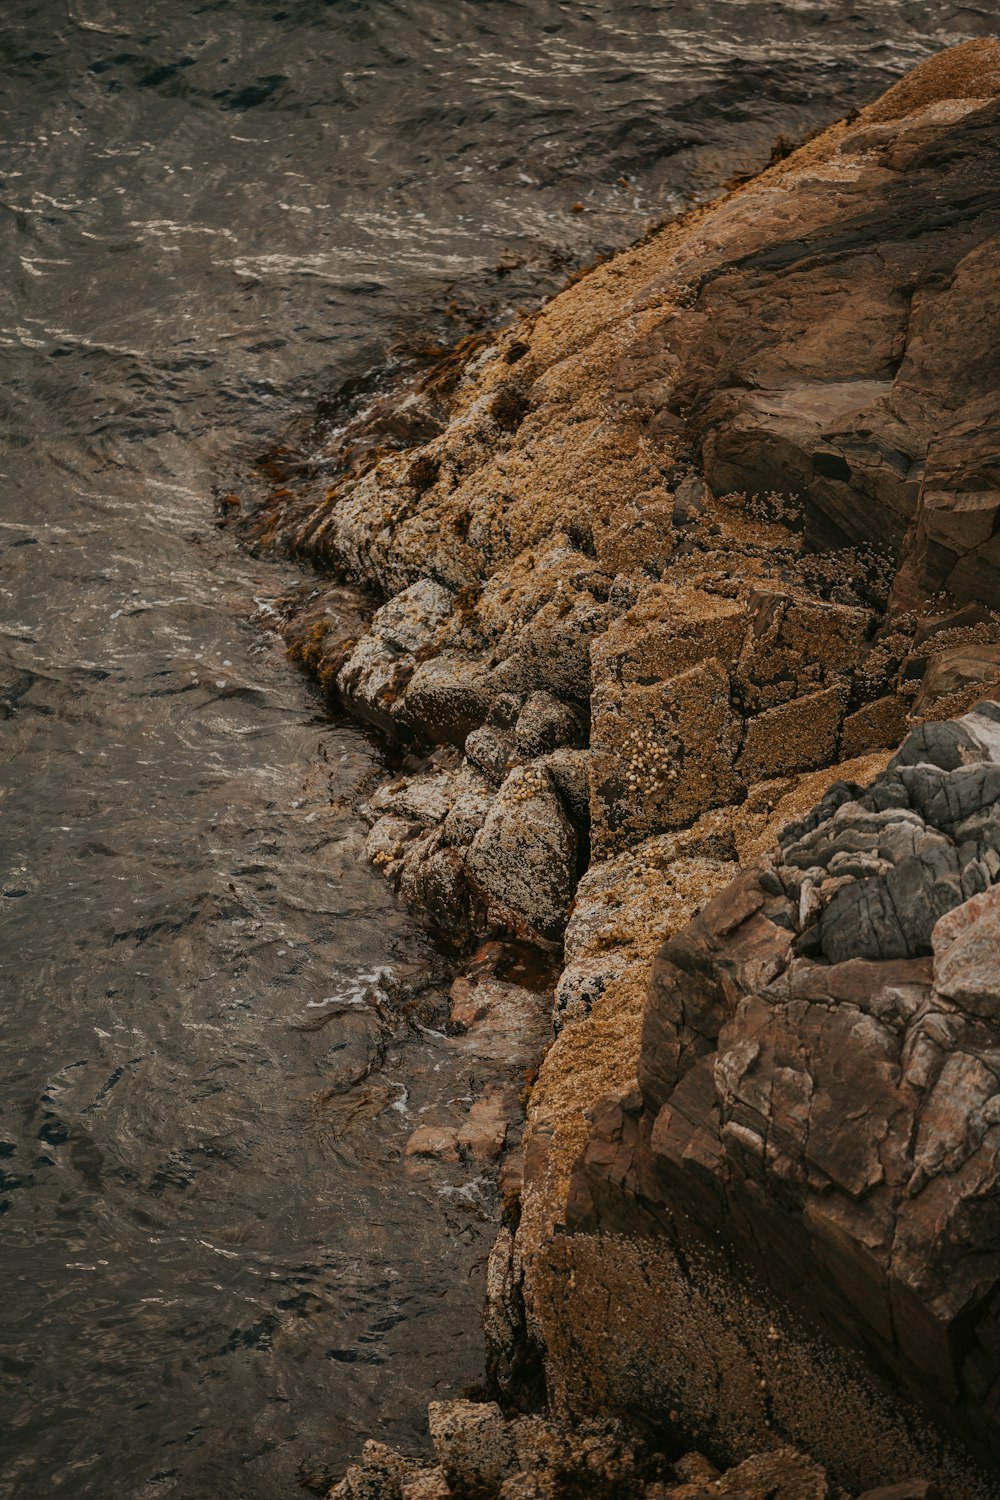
x=220, y=1274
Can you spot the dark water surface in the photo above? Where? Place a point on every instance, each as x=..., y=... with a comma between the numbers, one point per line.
x=218, y=1275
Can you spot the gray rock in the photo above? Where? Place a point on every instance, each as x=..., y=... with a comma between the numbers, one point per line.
x=524, y=856
x=491, y=750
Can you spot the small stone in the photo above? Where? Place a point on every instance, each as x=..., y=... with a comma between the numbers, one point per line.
x=433, y=1140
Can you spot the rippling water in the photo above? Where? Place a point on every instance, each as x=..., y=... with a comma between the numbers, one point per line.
x=218, y=1274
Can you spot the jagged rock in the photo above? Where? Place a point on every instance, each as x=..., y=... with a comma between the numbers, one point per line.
x=529, y=1487
x=429, y=1484
x=387, y=841
x=472, y=798
x=376, y=674
x=524, y=856
x=839, y=1113
x=570, y=773
x=962, y=669
x=797, y=736
x=873, y=726
x=966, y=946
x=784, y=1475
x=491, y=751
x=422, y=799
x=828, y=330
x=582, y=984
x=380, y=1475
x=794, y=645
x=661, y=755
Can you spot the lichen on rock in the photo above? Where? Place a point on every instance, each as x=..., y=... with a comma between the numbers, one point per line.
x=668, y=569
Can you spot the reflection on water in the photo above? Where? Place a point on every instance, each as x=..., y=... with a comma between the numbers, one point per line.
x=219, y=1028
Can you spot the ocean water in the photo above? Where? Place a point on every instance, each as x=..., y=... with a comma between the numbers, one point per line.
x=219, y=1273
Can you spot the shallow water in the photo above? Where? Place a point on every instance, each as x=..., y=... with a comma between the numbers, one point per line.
x=220, y=1275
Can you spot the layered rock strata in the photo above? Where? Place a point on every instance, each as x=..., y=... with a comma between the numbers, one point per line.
x=659, y=565
x=818, y=1105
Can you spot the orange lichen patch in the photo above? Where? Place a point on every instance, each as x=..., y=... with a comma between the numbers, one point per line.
x=638, y=901
x=969, y=71
x=772, y=805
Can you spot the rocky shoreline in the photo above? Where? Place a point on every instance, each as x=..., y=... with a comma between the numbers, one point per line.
x=665, y=573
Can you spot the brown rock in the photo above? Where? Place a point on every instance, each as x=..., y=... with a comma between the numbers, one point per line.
x=837, y=1116
x=429, y=1484
x=473, y=1444
x=873, y=726
x=661, y=755
x=797, y=736
x=433, y=1140
x=913, y=1489
x=969, y=670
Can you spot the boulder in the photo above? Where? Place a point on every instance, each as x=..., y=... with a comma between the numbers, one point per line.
x=473, y=1444
x=524, y=856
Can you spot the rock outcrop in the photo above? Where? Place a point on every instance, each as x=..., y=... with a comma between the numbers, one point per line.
x=479, y=1455
x=669, y=565
x=639, y=555
x=819, y=1077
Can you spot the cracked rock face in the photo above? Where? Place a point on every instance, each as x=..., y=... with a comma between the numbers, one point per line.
x=820, y=1075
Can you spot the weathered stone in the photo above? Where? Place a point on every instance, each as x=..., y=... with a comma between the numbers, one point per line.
x=822, y=338
x=433, y=1140
x=445, y=699
x=669, y=630
x=582, y=984
x=837, y=1115
x=432, y=875
x=969, y=670
x=913, y=1489
x=491, y=751
x=422, y=799
x=966, y=946
x=483, y=1133
x=472, y=798
x=472, y=1442
x=524, y=856
x=570, y=772
x=387, y=841
x=428, y=1484
x=783, y=1475
x=796, y=736
x=661, y=755
x=794, y=645
x=382, y=663
x=873, y=726
x=545, y=723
